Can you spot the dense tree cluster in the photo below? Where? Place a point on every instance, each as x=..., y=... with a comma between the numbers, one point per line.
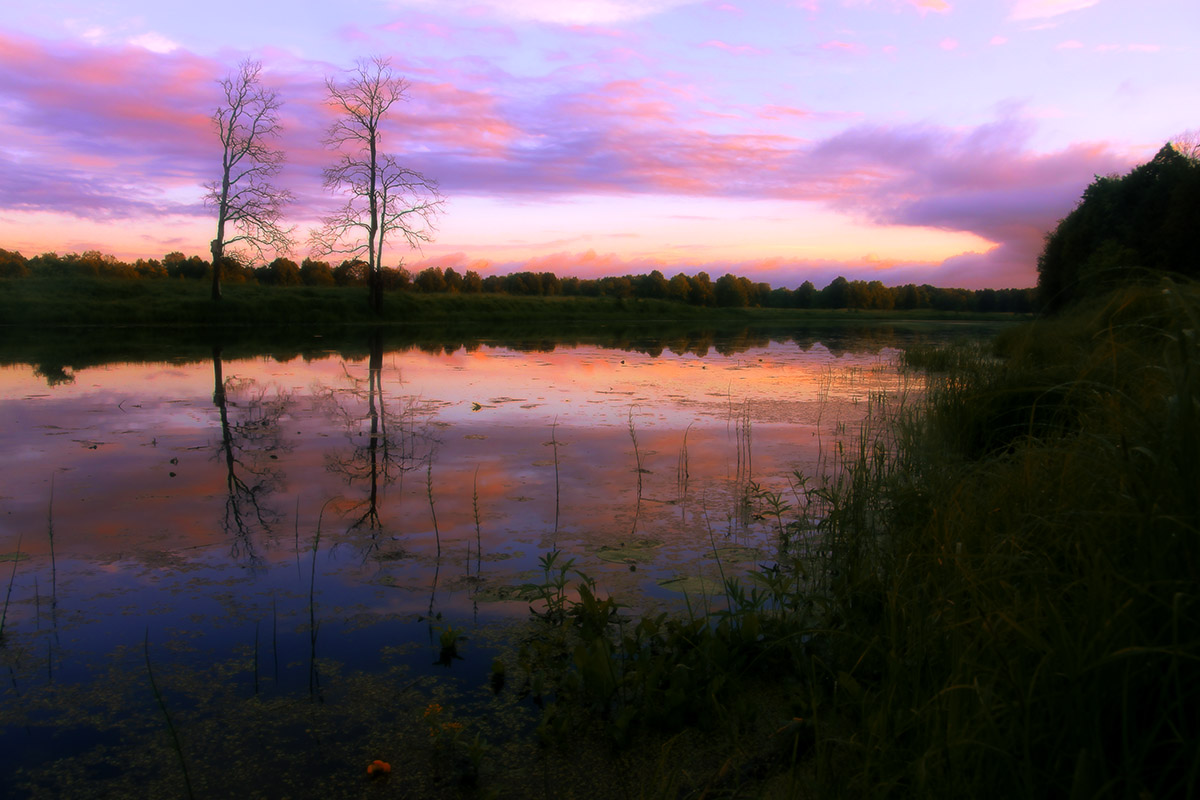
x=1126, y=228
x=698, y=289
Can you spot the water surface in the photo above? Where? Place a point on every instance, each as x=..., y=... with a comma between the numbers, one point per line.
x=266, y=529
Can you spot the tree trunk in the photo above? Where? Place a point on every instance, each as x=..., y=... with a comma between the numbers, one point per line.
x=218, y=254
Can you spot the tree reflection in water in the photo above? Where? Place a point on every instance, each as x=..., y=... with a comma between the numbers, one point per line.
x=396, y=440
x=249, y=447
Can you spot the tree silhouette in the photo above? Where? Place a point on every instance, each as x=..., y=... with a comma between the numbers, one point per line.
x=1126, y=228
x=249, y=207
x=384, y=198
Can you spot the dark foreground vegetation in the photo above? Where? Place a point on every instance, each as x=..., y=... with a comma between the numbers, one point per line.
x=994, y=596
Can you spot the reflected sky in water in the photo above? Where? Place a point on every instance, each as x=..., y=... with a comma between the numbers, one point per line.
x=380, y=499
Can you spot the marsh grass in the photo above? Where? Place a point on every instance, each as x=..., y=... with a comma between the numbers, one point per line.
x=1016, y=611
x=998, y=598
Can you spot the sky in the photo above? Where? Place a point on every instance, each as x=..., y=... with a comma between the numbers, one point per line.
x=926, y=141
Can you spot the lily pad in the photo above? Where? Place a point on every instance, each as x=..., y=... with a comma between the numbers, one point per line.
x=504, y=592
x=735, y=554
x=639, y=550
x=14, y=556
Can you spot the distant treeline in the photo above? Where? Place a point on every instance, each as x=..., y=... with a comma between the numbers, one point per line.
x=728, y=291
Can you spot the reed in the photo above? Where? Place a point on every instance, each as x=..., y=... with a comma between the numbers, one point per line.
x=255, y=668
x=637, y=465
x=475, y=513
x=275, y=637
x=314, y=677
x=8, y=594
x=557, y=486
x=681, y=468
x=162, y=705
x=50, y=536
x=432, y=511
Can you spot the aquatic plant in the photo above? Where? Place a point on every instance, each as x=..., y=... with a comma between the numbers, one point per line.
x=8, y=593
x=162, y=705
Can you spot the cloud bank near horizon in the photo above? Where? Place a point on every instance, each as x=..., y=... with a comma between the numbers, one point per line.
x=110, y=133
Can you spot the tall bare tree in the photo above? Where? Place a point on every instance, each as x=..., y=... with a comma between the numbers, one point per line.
x=383, y=198
x=249, y=207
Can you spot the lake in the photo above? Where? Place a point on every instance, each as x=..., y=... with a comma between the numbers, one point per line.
x=263, y=557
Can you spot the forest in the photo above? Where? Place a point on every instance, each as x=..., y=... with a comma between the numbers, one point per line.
x=727, y=291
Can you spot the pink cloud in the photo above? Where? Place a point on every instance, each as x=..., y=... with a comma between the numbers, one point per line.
x=845, y=47
x=982, y=181
x=738, y=49
x=926, y=6
x=1042, y=9
x=784, y=112
x=78, y=108
x=948, y=44
x=113, y=131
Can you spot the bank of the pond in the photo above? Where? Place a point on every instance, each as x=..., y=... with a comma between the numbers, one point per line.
x=41, y=301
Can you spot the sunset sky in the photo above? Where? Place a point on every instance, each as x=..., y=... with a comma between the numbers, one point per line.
x=933, y=141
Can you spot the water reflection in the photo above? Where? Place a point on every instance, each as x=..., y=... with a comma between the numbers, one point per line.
x=250, y=446
x=369, y=503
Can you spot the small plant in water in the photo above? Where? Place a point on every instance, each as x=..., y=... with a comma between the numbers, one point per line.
x=450, y=747
x=449, y=640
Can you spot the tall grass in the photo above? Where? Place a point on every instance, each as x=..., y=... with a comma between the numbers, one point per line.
x=999, y=598
x=1016, y=593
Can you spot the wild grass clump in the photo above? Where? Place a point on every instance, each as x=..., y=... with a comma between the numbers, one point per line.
x=1026, y=622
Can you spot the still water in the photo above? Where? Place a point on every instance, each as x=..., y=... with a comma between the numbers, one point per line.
x=254, y=531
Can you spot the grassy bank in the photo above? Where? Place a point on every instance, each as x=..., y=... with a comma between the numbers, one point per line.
x=42, y=301
x=1003, y=604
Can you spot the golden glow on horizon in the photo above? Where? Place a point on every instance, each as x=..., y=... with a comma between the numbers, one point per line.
x=588, y=236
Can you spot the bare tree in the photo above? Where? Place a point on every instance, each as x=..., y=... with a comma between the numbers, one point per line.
x=384, y=198
x=249, y=207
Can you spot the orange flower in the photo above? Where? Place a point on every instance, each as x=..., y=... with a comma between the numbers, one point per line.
x=378, y=768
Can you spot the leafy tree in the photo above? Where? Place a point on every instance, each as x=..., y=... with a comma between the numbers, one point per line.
x=13, y=264
x=351, y=272
x=836, y=294
x=806, y=295
x=1126, y=227
x=679, y=288
x=249, y=207
x=730, y=292
x=702, y=291
x=284, y=272
x=472, y=282
x=431, y=279
x=316, y=273
x=384, y=198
